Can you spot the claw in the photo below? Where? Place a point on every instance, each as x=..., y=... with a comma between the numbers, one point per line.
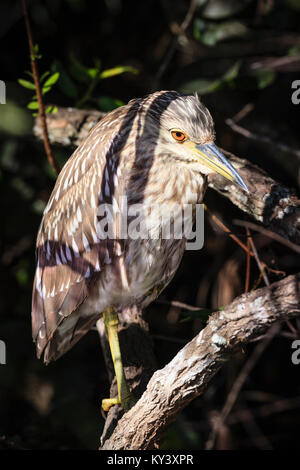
x=126, y=402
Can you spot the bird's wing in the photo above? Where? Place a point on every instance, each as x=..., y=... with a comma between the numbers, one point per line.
x=71, y=251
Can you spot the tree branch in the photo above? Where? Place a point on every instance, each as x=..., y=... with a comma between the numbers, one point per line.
x=42, y=114
x=268, y=201
x=187, y=375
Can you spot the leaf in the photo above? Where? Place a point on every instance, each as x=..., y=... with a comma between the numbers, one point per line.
x=202, y=86
x=51, y=80
x=45, y=89
x=65, y=83
x=107, y=104
x=218, y=9
x=36, y=54
x=33, y=105
x=211, y=33
x=202, y=313
x=26, y=84
x=29, y=73
x=52, y=109
x=117, y=71
x=264, y=77
x=93, y=72
x=45, y=74
x=232, y=72
x=79, y=71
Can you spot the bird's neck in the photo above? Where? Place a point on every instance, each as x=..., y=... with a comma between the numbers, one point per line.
x=180, y=185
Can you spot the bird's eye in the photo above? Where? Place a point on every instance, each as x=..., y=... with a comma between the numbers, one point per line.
x=179, y=136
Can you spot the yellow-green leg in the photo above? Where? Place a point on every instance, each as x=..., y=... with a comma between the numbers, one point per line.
x=124, y=397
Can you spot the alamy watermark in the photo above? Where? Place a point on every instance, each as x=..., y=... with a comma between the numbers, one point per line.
x=121, y=220
x=296, y=354
x=2, y=352
x=2, y=92
x=296, y=94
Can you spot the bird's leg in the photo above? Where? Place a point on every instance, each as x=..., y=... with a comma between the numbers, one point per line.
x=124, y=397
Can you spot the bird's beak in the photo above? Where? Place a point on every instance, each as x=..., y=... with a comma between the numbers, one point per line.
x=210, y=156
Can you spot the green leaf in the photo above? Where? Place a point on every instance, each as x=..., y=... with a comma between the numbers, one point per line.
x=232, y=72
x=65, y=83
x=52, y=109
x=29, y=73
x=33, y=105
x=107, y=104
x=264, y=77
x=45, y=74
x=202, y=313
x=79, y=71
x=51, y=80
x=93, y=72
x=26, y=84
x=117, y=71
x=36, y=54
x=211, y=33
x=45, y=89
x=201, y=85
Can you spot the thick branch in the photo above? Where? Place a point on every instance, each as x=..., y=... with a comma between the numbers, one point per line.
x=187, y=375
x=68, y=126
x=268, y=201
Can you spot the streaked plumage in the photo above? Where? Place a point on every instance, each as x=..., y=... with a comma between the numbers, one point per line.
x=128, y=153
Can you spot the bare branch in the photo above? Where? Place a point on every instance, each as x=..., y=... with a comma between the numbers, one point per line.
x=68, y=126
x=268, y=201
x=187, y=375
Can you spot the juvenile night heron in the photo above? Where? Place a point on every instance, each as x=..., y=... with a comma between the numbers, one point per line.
x=155, y=150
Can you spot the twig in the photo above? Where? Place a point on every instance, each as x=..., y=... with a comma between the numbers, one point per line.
x=227, y=230
x=258, y=281
x=181, y=29
x=261, y=267
x=268, y=233
x=268, y=409
x=177, y=303
x=243, y=112
x=260, y=138
x=247, y=279
x=42, y=115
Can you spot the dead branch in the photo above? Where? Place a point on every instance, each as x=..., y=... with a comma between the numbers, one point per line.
x=187, y=375
x=268, y=201
x=68, y=126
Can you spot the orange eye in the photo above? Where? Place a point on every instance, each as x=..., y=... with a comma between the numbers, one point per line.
x=179, y=136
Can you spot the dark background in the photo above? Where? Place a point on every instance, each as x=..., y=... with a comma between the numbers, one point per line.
x=230, y=54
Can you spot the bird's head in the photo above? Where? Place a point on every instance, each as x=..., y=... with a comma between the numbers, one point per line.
x=186, y=135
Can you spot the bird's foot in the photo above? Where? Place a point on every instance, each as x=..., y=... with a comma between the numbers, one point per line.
x=126, y=402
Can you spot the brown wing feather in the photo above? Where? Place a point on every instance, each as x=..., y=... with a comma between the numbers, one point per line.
x=70, y=251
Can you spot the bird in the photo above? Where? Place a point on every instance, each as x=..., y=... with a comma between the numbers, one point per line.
x=156, y=151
